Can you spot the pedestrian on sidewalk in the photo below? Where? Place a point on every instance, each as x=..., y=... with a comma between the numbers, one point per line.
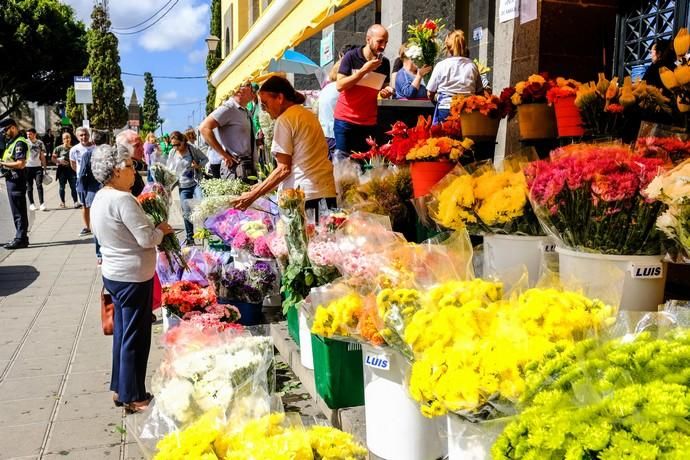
x=65, y=174
x=128, y=244
x=188, y=162
x=129, y=140
x=12, y=168
x=35, y=169
x=86, y=186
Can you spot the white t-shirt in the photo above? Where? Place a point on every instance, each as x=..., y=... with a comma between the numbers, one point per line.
x=298, y=133
x=127, y=237
x=327, y=100
x=78, y=151
x=34, y=158
x=453, y=75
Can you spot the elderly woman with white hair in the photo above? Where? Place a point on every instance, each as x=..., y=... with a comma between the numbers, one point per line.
x=128, y=240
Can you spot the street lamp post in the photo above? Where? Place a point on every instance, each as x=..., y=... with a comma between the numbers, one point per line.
x=212, y=43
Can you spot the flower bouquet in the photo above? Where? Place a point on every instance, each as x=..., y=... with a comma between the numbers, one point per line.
x=214, y=318
x=423, y=43
x=620, y=399
x=268, y=437
x=251, y=237
x=678, y=79
x=591, y=197
x=183, y=297
x=673, y=189
x=673, y=145
x=155, y=207
x=250, y=285
x=608, y=109
x=528, y=99
x=223, y=187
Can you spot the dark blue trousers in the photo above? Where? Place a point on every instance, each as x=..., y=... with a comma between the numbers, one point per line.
x=131, y=337
x=16, y=192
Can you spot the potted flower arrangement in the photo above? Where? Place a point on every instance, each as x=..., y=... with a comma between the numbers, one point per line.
x=431, y=159
x=562, y=97
x=246, y=289
x=528, y=98
x=591, y=198
x=478, y=115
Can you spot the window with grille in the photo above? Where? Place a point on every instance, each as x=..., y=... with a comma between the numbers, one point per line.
x=640, y=25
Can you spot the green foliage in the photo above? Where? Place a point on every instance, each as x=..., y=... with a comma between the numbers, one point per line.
x=108, y=110
x=43, y=47
x=74, y=111
x=616, y=400
x=149, y=112
x=213, y=60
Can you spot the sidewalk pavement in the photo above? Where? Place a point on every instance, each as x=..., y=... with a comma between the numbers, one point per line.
x=54, y=359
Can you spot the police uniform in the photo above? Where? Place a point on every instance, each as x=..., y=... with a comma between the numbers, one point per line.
x=15, y=179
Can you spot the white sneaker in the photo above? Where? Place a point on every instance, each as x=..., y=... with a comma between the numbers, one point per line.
x=32, y=207
x=43, y=207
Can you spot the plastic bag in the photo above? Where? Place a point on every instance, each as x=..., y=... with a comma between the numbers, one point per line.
x=662, y=141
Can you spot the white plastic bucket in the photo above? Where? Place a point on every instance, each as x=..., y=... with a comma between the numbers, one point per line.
x=306, y=356
x=507, y=252
x=472, y=441
x=643, y=277
x=396, y=429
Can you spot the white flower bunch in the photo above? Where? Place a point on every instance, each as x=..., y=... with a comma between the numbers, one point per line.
x=223, y=187
x=414, y=52
x=213, y=377
x=210, y=206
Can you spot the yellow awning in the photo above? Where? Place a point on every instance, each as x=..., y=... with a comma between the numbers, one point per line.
x=306, y=19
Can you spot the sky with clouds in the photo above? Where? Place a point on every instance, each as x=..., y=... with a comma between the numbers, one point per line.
x=173, y=47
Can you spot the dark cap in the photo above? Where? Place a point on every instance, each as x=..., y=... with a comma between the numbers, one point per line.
x=280, y=85
x=6, y=123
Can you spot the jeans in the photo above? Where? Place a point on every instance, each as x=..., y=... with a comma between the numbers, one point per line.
x=320, y=204
x=66, y=175
x=131, y=337
x=16, y=192
x=34, y=173
x=350, y=137
x=440, y=115
x=187, y=194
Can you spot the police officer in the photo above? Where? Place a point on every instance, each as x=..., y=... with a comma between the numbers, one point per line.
x=13, y=164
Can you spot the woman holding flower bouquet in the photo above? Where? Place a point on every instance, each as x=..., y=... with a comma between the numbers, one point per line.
x=128, y=240
x=456, y=74
x=408, y=80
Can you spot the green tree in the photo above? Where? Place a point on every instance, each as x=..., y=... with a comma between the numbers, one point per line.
x=42, y=47
x=108, y=110
x=213, y=60
x=73, y=111
x=150, y=110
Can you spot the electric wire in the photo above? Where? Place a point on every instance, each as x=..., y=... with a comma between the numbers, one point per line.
x=150, y=25
x=145, y=20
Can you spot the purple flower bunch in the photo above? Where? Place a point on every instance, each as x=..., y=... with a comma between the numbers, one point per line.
x=250, y=285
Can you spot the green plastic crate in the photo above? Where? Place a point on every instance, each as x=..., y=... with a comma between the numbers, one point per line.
x=338, y=372
x=293, y=324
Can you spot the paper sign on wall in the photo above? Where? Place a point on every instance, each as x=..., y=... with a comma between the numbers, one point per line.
x=507, y=10
x=528, y=11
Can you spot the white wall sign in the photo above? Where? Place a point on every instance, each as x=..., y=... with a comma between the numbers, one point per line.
x=327, y=53
x=507, y=10
x=477, y=34
x=83, y=90
x=528, y=11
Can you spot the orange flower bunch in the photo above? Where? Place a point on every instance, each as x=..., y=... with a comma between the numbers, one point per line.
x=488, y=105
x=436, y=148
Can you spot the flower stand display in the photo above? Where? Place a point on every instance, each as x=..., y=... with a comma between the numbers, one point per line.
x=293, y=324
x=537, y=121
x=644, y=277
x=472, y=441
x=426, y=174
x=338, y=372
x=306, y=355
x=396, y=429
x=506, y=252
x=568, y=119
x=478, y=126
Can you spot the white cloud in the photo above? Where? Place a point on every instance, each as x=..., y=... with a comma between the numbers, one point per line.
x=179, y=30
x=197, y=56
x=169, y=96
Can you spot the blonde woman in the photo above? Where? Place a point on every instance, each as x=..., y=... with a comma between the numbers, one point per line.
x=151, y=153
x=456, y=74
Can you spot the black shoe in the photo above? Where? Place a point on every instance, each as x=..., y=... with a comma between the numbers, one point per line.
x=17, y=244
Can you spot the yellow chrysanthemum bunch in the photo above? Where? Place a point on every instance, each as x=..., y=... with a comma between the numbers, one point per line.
x=266, y=438
x=435, y=148
x=396, y=308
x=490, y=199
x=473, y=350
x=339, y=317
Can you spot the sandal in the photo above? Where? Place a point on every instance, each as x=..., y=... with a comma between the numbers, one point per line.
x=138, y=406
x=62, y=206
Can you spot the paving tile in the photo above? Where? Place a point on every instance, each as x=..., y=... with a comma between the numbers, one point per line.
x=7, y=349
x=31, y=439
x=87, y=382
x=85, y=433
x=89, y=405
x=111, y=452
x=26, y=411
x=89, y=362
x=38, y=367
x=46, y=349
x=30, y=388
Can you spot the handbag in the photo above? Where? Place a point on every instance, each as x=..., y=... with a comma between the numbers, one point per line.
x=107, y=312
x=47, y=179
